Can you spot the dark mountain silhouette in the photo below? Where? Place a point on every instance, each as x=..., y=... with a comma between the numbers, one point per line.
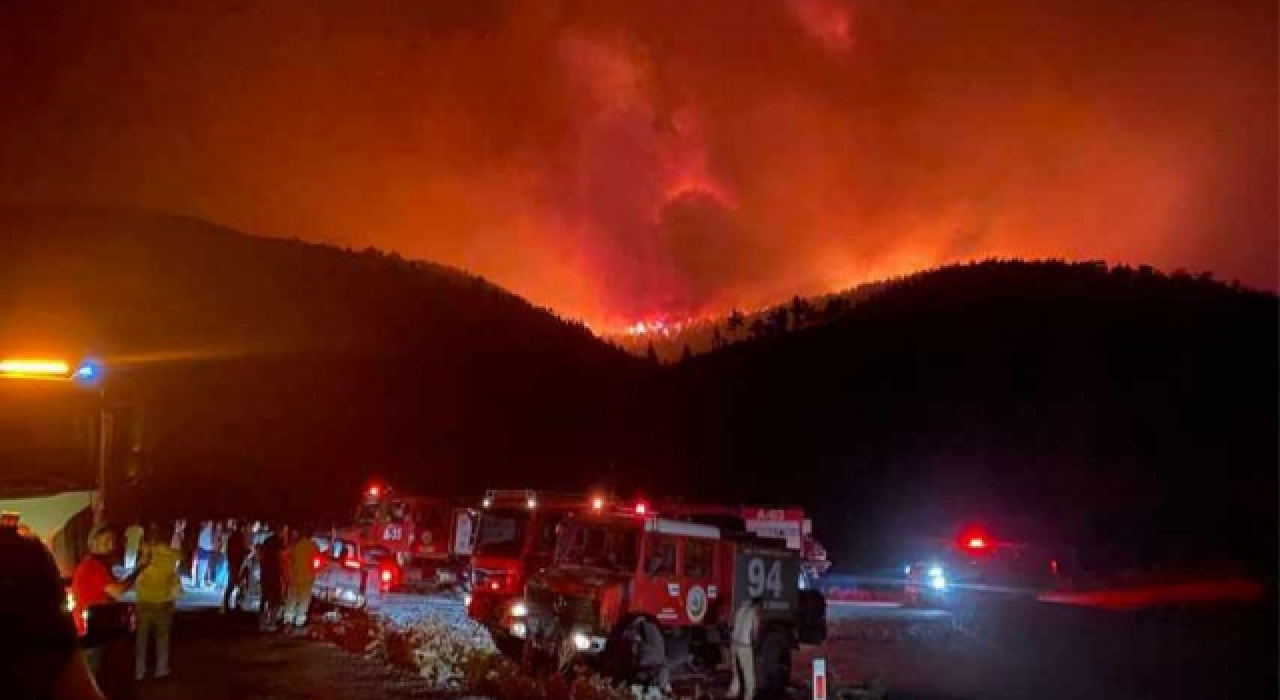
x=1127, y=411
x=1119, y=408
x=274, y=371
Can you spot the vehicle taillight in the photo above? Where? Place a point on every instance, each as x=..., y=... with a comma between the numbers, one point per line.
x=316, y=563
x=386, y=575
x=642, y=508
x=976, y=543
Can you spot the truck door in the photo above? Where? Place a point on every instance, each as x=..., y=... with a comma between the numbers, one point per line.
x=700, y=594
x=658, y=585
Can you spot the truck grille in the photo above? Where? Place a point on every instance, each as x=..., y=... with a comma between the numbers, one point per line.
x=569, y=611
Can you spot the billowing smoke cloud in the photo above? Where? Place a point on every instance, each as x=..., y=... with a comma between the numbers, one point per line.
x=619, y=160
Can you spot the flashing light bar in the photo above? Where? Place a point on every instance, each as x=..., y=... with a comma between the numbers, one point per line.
x=35, y=367
x=19, y=368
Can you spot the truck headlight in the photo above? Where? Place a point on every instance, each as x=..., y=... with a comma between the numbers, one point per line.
x=519, y=609
x=519, y=630
x=581, y=642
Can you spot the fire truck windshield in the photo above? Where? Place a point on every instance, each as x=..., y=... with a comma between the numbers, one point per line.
x=610, y=547
x=399, y=512
x=502, y=533
x=369, y=513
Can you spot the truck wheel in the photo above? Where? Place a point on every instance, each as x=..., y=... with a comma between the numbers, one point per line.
x=773, y=664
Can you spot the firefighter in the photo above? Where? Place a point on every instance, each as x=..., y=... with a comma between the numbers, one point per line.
x=302, y=575
x=650, y=654
x=746, y=628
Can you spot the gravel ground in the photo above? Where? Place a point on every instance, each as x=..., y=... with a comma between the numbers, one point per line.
x=216, y=658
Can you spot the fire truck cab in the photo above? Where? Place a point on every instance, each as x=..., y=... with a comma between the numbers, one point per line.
x=516, y=536
x=430, y=538
x=684, y=577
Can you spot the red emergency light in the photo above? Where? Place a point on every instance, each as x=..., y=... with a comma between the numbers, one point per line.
x=316, y=563
x=642, y=508
x=976, y=543
x=374, y=491
x=386, y=575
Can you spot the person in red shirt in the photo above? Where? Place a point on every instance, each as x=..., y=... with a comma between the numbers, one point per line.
x=93, y=583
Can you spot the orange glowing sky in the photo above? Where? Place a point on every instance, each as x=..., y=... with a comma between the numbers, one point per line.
x=628, y=159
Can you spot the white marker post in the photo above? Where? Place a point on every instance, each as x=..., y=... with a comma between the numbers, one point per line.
x=819, y=679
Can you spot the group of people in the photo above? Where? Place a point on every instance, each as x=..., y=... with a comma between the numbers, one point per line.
x=287, y=571
x=154, y=578
x=233, y=556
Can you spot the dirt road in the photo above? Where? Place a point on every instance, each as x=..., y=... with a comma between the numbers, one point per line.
x=220, y=659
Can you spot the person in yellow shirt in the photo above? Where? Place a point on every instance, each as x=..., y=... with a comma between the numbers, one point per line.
x=301, y=557
x=158, y=587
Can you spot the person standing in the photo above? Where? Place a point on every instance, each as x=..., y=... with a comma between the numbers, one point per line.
x=204, y=556
x=92, y=582
x=746, y=628
x=179, y=534
x=158, y=589
x=270, y=553
x=217, y=561
x=132, y=543
x=302, y=575
x=237, y=571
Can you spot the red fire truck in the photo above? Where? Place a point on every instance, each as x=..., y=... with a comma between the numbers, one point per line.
x=615, y=570
x=430, y=538
x=516, y=536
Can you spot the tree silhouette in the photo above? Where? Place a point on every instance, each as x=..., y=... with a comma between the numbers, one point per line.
x=778, y=320
x=757, y=329
x=686, y=355
x=717, y=338
x=651, y=354
x=802, y=311
x=736, y=322
x=835, y=308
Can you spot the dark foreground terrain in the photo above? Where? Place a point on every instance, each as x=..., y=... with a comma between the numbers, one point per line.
x=217, y=659
x=1011, y=651
x=1047, y=652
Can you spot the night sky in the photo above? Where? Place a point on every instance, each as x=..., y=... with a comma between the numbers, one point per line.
x=624, y=160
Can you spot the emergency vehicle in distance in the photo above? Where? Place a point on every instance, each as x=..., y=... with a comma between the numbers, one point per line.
x=516, y=537
x=352, y=576
x=430, y=539
x=973, y=563
x=615, y=568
